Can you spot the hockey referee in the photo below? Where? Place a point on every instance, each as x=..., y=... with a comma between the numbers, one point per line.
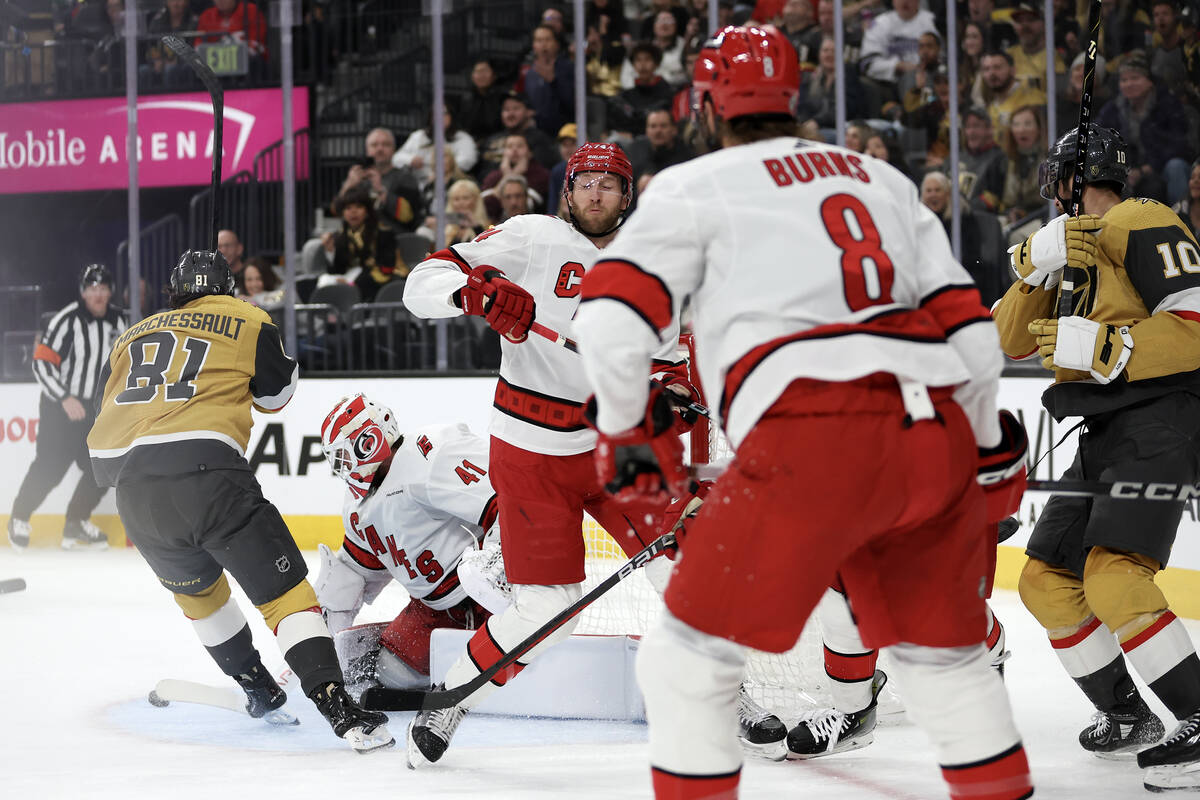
x=67, y=364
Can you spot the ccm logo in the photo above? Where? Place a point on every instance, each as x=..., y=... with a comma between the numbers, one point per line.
x=570, y=276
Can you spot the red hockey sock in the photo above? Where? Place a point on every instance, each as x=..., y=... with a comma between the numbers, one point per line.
x=484, y=651
x=671, y=786
x=1004, y=776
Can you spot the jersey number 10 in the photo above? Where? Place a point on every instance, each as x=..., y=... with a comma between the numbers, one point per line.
x=867, y=272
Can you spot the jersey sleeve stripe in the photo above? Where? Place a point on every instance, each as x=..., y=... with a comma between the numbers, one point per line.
x=628, y=283
x=955, y=328
x=451, y=255
x=954, y=306
x=362, y=557
x=44, y=353
x=1191, y=316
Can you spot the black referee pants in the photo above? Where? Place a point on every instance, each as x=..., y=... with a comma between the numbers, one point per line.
x=59, y=442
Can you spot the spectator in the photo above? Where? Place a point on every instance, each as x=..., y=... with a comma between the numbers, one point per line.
x=997, y=35
x=818, y=91
x=604, y=61
x=162, y=67
x=982, y=163
x=916, y=87
x=1188, y=208
x=857, y=133
x=883, y=145
x=1066, y=112
x=1029, y=53
x=1025, y=145
x=970, y=56
x=550, y=81
x=516, y=116
x=1166, y=54
x=853, y=39
x=1124, y=27
x=479, y=110
x=800, y=26
x=103, y=23
x=417, y=151
x=258, y=285
x=552, y=18
x=396, y=193
x=627, y=111
x=568, y=143
x=650, y=18
x=513, y=196
x=1067, y=31
x=608, y=18
x=890, y=45
x=363, y=250
x=1155, y=127
x=935, y=195
x=933, y=117
x=667, y=39
x=518, y=160
x=466, y=216
x=239, y=21
x=660, y=146
x=1003, y=93
x=232, y=248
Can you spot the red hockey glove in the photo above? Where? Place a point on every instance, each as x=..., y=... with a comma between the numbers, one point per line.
x=507, y=307
x=682, y=510
x=644, y=463
x=1002, y=470
x=683, y=395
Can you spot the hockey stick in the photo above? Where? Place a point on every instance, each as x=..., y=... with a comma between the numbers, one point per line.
x=1119, y=490
x=1066, y=294
x=227, y=697
x=377, y=698
x=12, y=585
x=188, y=54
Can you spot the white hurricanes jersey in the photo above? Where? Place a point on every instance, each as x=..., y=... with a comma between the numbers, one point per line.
x=542, y=386
x=803, y=260
x=435, y=502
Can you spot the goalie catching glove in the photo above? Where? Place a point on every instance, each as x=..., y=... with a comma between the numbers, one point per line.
x=1063, y=242
x=1001, y=470
x=644, y=463
x=507, y=307
x=1083, y=344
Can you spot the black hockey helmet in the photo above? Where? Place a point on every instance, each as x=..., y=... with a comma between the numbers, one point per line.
x=1107, y=160
x=199, y=272
x=93, y=274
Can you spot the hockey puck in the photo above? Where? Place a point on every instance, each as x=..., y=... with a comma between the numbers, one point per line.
x=155, y=700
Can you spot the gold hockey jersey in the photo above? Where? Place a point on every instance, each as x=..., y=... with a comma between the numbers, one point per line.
x=1147, y=276
x=178, y=388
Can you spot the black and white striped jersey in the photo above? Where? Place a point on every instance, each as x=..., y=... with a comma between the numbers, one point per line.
x=73, y=350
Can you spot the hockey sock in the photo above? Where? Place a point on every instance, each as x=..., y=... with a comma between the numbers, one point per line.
x=689, y=681
x=308, y=649
x=960, y=702
x=1165, y=658
x=849, y=664
x=226, y=636
x=995, y=638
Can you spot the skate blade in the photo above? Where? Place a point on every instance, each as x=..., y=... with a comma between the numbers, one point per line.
x=1174, y=777
x=74, y=544
x=277, y=717
x=771, y=751
x=1120, y=755
x=842, y=747
x=363, y=742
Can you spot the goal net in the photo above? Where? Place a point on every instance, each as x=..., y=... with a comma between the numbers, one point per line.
x=788, y=684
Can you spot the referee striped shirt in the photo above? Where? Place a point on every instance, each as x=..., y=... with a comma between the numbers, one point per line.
x=70, y=355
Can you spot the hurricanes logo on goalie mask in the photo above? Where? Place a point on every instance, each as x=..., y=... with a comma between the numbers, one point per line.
x=357, y=438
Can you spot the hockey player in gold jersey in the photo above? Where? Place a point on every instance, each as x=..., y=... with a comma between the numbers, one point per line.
x=171, y=435
x=1128, y=361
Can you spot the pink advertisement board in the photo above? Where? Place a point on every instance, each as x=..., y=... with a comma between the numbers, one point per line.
x=76, y=145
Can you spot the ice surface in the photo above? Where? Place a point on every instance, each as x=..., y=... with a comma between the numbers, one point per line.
x=84, y=644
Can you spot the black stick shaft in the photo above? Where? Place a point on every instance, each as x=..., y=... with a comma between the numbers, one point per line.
x=1066, y=294
x=1119, y=490
x=381, y=699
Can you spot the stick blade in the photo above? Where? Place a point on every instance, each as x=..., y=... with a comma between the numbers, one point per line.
x=188, y=53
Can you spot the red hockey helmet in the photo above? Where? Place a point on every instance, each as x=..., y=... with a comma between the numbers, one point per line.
x=747, y=70
x=600, y=157
x=357, y=437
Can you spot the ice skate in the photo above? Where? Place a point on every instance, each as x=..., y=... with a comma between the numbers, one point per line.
x=430, y=732
x=364, y=730
x=264, y=698
x=827, y=731
x=83, y=536
x=1174, y=763
x=760, y=732
x=1120, y=733
x=18, y=533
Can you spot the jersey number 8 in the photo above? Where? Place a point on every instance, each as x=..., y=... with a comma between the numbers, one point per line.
x=867, y=271
x=151, y=356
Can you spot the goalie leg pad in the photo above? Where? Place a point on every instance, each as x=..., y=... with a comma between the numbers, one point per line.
x=689, y=681
x=407, y=636
x=960, y=702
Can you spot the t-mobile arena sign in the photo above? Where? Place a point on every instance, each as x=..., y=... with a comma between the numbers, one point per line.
x=75, y=145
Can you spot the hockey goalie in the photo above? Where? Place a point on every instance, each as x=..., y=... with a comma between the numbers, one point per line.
x=419, y=509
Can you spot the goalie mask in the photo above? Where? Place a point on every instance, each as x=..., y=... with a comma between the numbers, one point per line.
x=358, y=437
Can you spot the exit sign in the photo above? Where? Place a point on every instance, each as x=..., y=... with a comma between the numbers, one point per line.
x=226, y=58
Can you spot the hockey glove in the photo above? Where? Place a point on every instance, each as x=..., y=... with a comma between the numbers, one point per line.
x=684, y=509
x=1083, y=344
x=507, y=307
x=683, y=395
x=339, y=590
x=1063, y=242
x=1001, y=470
x=644, y=463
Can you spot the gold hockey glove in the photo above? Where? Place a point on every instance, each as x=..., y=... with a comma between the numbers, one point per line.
x=1082, y=344
x=1064, y=241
